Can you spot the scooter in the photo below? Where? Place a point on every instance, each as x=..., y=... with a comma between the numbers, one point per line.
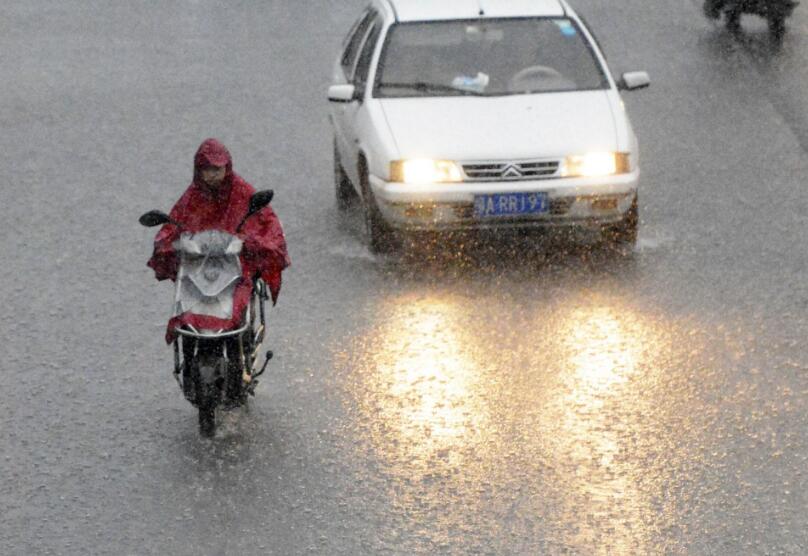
x=774, y=11
x=215, y=368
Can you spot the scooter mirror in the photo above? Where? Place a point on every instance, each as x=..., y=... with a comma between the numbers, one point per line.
x=154, y=218
x=260, y=199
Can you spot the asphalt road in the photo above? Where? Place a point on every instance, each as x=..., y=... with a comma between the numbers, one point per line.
x=496, y=398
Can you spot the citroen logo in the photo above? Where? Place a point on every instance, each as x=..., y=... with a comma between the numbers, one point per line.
x=512, y=172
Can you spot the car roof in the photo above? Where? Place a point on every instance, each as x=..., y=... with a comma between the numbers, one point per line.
x=432, y=10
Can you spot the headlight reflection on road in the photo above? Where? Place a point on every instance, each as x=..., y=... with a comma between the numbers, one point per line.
x=562, y=414
x=604, y=353
x=597, y=413
x=421, y=382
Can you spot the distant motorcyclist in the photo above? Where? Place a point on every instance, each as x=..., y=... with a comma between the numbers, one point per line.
x=218, y=199
x=775, y=12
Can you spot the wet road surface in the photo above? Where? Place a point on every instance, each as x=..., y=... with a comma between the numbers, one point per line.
x=498, y=397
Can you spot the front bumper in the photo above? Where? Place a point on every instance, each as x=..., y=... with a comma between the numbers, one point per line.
x=588, y=202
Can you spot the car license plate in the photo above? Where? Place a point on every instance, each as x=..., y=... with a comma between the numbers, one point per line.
x=510, y=204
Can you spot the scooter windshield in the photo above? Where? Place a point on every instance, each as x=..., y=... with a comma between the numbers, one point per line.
x=210, y=270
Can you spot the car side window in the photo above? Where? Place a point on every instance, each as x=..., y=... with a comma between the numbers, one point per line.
x=366, y=55
x=354, y=41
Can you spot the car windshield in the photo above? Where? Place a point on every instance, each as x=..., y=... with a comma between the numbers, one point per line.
x=491, y=57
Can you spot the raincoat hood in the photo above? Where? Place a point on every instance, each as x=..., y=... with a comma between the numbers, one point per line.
x=213, y=153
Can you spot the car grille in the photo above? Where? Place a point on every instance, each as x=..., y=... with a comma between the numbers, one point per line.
x=511, y=171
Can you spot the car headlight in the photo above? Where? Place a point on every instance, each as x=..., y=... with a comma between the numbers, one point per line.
x=425, y=171
x=595, y=165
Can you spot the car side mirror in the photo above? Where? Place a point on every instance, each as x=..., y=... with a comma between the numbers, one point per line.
x=154, y=218
x=342, y=93
x=634, y=80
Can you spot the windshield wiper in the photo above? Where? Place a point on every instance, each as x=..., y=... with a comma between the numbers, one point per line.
x=424, y=87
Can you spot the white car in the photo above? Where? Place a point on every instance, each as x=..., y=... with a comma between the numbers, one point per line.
x=464, y=114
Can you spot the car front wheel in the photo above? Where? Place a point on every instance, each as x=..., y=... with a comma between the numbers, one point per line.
x=381, y=238
x=625, y=232
x=343, y=188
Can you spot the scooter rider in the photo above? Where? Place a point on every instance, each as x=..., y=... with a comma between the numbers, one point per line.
x=218, y=199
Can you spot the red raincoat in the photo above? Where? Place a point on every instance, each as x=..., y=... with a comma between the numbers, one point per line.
x=264, y=253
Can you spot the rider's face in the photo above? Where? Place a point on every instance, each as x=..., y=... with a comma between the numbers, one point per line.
x=213, y=176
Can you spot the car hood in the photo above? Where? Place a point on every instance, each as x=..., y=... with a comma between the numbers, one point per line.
x=497, y=128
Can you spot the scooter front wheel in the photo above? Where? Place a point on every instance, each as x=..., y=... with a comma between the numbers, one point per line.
x=206, y=402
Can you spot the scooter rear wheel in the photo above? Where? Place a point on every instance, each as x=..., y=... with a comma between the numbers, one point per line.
x=207, y=421
x=777, y=28
x=734, y=19
x=712, y=8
